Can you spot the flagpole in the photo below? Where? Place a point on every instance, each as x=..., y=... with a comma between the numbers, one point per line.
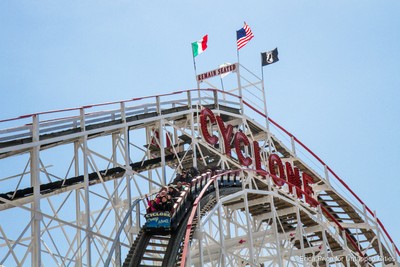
x=264, y=95
x=195, y=76
x=238, y=77
x=265, y=105
x=222, y=84
x=194, y=67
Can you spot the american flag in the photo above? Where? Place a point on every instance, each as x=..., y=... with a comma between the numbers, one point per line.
x=243, y=36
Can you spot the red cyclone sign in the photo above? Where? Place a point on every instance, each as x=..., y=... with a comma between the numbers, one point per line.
x=286, y=173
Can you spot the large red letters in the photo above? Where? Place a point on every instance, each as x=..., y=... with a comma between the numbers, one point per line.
x=275, y=165
x=293, y=177
x=227, y=134
x=275, y=162
x=242, y=138
x=207, y=113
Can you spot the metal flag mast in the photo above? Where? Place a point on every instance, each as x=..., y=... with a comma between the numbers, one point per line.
x=198, y=48
x=264, y=96
x=195, y=71
x=265, y=106
x=266, y=59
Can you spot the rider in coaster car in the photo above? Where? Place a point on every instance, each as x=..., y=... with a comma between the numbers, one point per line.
x=173, y=192
x=165, y=204
x=180, y=186
x=151, y=205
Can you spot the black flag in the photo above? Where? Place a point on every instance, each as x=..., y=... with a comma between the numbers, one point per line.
x=269, y=57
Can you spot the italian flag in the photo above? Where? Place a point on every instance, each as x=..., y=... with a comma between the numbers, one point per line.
x=200, y=46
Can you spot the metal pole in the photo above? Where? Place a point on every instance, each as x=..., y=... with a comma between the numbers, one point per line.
x=346, y=249
x=195, y=76
x=324, y=238
x=276, y=233
x=220, y=225
x=266, y=111
x=378, y=235
x=293, y=145
x=194, y=140
x=78, y=208
x=201, y=249
x=240, y=87
x=128, y=172
x=299, y=230
x=264, y=98
x=162, y=149
x=115, y=199
x=35, y=183
x=249, y=231
x=86, y=189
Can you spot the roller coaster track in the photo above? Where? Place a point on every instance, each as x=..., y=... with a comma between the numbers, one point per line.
x=155, y=249
x=338, y=226
x=165, y=249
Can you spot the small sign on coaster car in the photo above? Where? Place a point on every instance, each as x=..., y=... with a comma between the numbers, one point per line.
x=158, y=219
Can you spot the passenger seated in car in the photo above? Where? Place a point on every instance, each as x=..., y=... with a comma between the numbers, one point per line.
x=160, y=195
x=151, y=205
x=178, y=178
x=170, y=200
x=173, y=192
x=165, y=204
x=194, y=172
x=180, y=186
x=186, y=177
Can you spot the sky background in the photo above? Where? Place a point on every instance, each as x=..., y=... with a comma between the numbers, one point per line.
x=336, y=86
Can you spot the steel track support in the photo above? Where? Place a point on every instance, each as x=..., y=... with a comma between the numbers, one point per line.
x=77, y=208
x=201, y=249
x=378, y=234
x=293, y=143
x=324, y=238
x=115, y=138
x=162, y=149
x=275, y=229
x=228, y=223
x=162, y=146
x=194, y=141
x=215, y=94
x=249, y=227
x=128, y=172
x=346, y=249
x=299, y=230
x=35, y=183
x=395, y=257
x=85, y=152
x=148, y=154
x=326, y=171
x=220, y=225
x=240, y=89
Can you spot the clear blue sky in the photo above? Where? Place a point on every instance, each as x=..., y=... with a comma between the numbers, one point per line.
x=336, y=86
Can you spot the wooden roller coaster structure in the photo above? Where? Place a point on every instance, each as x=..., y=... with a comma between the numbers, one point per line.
x=74, y=182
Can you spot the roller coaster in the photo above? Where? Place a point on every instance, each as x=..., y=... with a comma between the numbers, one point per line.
x=74, y=183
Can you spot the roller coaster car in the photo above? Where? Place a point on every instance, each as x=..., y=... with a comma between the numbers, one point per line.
x=161, y=221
